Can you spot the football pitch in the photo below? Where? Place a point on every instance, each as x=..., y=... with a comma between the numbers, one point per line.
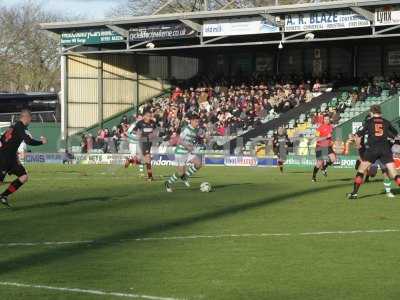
x=101, y=232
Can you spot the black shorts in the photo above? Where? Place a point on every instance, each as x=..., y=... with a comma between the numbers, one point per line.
x=361, y=153
x=384, y=154
x=11, y=167
x=145, y=147
x=322, y=153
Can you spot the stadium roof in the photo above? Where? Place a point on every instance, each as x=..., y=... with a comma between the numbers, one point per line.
x=201, y=15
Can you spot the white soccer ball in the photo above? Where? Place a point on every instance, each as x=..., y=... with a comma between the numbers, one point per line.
x=150, y=46
x=205, y=187
x=309, y=36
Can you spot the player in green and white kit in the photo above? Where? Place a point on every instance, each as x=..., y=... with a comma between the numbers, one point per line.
x=134, y=150
x=186, y=161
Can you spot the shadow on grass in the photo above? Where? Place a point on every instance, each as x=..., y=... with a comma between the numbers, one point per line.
x=48, y=256
x=63, y=203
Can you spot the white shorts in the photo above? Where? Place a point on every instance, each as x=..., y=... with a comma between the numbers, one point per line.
x=182, y=160
x=134, y=149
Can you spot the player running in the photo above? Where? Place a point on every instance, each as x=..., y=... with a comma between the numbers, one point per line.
x=9, y=162
x=281, y=144
x=135, y=157
x=324, y=151
x=373, y=169
x=146, y=132
x=378, y=131
x=187, y=162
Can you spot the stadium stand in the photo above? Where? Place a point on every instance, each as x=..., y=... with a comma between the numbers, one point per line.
x=226, y=110
x=347, y=105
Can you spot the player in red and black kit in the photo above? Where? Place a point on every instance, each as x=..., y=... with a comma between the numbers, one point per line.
x=378, y=132
x=146, y=131
x=9, y=162
x=324, y=152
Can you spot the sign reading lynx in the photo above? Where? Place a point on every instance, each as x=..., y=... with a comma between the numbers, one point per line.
x=387, y=15
x=324, y=20
x=90, y=37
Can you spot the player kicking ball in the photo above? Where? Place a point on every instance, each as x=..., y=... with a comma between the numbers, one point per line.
x=186, y=161
x=377, y=130
x=10, y=141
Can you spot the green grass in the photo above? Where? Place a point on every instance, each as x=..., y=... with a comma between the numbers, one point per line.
x=115, y=208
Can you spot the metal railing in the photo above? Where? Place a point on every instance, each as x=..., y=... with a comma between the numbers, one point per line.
x=37, y=116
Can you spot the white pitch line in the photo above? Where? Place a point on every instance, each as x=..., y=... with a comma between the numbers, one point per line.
x=195, y=237
x=84, y=291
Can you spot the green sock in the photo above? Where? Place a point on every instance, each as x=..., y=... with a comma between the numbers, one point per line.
x=387, y=183
x=141, y=168
x=173, y=179
x=190, y=171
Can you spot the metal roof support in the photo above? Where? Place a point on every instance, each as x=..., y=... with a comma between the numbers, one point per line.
x=138, y=44
x=194, y=25
x=228, y=4
x=121, y=31
x=229, y=13
x=387, y=29
x=162, y=7
x=270, y=18
x=363, y=12
x=285, y=38
x=273, y=42
x=214, y=39
x=64, y=50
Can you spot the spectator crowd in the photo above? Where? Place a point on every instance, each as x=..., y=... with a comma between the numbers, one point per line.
x=230, y=109
x=224, y=109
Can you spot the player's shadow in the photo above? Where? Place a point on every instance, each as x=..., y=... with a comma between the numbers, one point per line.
x=63, y=203
x=223, y=186
x=341, y=179
x=394, y=191
x=56, y=254
x=298, y=172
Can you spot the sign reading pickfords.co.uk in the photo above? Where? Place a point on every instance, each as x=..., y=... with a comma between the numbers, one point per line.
x=161, y=32
x=242, y=26
x=388, y=15
x=90, y=37
x=324, y=20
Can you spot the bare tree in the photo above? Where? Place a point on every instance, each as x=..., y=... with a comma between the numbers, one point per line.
x=140, y=7
x=28, y=56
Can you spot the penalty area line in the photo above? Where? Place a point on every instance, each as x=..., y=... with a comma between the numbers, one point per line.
x=196, y=237
x=84, y=291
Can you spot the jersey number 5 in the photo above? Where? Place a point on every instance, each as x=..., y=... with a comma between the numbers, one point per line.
x=378, y=129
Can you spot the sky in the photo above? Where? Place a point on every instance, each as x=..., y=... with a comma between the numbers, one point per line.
x=91, y=9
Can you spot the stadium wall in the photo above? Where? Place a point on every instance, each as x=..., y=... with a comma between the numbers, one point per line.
x=98, y=87
x=51, y=131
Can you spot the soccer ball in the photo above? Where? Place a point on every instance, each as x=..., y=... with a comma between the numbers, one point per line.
x=150, y=46
x=205, y=187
